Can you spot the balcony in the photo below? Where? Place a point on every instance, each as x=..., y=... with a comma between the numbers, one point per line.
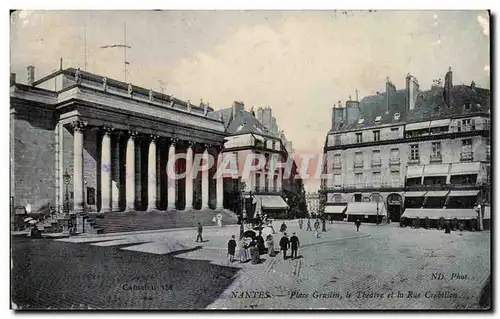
x=337, y=165
x=394, y=162
x=361, y=186
x=466, y=156
x=266, y=190
x=439, y=187
x=358, y=164
x=376, y=163
x=436, y=158
x=414, y=161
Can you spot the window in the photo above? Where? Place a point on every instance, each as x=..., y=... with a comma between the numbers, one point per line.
x=359, y=137
x=378, y=119
x=488, y=148
x=376, y=136
x=337, y=181
x=376, y=178
x=467, y=106
x=358, y=197
x=394, y=129
x=414, y=155
x=358, y=159
x=466, y=153
x=337, y=161
x=358, y=177
x=396, y=116
x=376, y=158
x=436, y=151
x=395, y=179
x=394, y=155
x=361, y=121
x=337, y=140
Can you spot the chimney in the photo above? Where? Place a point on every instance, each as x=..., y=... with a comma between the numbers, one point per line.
x=411, y=91
x=390, y=91
x=12, y=79
x=31, y=74
x=448, y=85
x=237, y=107
x=61, y=64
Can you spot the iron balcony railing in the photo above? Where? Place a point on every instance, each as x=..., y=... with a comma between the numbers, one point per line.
x=466, y=156
x=413, y=161
x=394, y=161
x=358, y=164
x=376, y=163
x=361, y=186
x=438, y=187
x=436, y=158
x=337, y=165
x=266, y=190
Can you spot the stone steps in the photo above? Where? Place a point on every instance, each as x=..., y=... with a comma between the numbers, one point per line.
x=139, y=221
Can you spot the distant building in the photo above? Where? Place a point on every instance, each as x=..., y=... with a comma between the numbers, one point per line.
x=416, y=153
x=312, y=200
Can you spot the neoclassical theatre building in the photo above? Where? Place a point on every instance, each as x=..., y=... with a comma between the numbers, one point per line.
x=100, y=145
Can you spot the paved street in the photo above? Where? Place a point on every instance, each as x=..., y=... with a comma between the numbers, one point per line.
x=369, y=265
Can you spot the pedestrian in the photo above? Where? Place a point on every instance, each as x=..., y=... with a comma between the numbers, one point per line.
x=254, y=253
x=309, y=224
x=242, y=250
x=357, y=223
x=301, y=222
x=294, y=241
x=284, y=244
x=283, y=227
x=324, y=224
x=461, y=227
x=316, y=225
x=270, y=245
x=219, y=220
x=270, y=224
x=200, y=231
x=260, y=243
x=231, y=248
x=331, y=219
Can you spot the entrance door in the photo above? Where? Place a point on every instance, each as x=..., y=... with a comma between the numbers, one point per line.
x=394, y=207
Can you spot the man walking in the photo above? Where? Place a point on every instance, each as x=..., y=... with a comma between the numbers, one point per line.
x=284, y=244
x=231, y=248
x=324, y=224
x=294, y=241
x=309, y=224
x=200, y=231
x=301, y=222
x=357, y=223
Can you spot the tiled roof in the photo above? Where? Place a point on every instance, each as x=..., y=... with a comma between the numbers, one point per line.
x=243, y=123
x=429, y=105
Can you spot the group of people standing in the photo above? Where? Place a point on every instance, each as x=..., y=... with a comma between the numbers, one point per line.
x=316, y=226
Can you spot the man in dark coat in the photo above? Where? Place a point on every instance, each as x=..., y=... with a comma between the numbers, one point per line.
x=200, y=231
x=284, y=244
x=357, y=223
x=283, y=227
x=231, y=248
x=324, y=224
x=260, y=243
x=294, y=242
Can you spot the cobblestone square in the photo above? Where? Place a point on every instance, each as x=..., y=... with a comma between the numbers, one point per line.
x=379, y=267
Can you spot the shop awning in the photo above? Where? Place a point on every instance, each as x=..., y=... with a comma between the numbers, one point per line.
x=417, y=126
x=463, y=193
x=440, y=123
x=463, y=213
x=335, y=209
x=414, y=171
x=271, y=202
x=487, y=212
x=436, y=193
x=436, y=170
x=437, y=213
x=365, y=208
x=465, y=168
x=415, y=194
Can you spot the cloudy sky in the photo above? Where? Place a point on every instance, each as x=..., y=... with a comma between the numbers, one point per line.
x=298, y=62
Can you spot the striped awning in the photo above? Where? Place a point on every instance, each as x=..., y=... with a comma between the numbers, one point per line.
x=437, y=213
x=414, y=171
x=465, y=168
x=463, y=193
x=365, y=208
x=271, y=202
x=335, y=209
x=436, y=193
x=440, y=123
x=415, y=194
x=436, y=170
x=417, y=126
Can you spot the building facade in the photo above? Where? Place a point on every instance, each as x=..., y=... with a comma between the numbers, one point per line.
x=85, y=143
x=312, y=200
x=389, y=148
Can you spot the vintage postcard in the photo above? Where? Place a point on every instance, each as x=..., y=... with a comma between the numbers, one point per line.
x=328, y=159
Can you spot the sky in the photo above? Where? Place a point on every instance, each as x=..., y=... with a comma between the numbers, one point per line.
x=300, y=63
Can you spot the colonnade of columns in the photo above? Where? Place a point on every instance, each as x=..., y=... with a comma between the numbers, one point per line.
x=113, y=194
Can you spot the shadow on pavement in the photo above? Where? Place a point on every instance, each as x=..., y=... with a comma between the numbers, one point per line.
x=59, y=275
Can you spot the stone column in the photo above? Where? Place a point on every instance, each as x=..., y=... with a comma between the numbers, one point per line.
x=106, y=204
x=78, y=184
x=130, y=172
x=219, y=186
x=189, y=176
x=152, y=184
x=115, y=175
x=171, y=181
x=204, y=181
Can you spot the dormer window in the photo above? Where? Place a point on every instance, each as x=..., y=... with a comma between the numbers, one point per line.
x=361, y=121
x=467, y=106
x=378, y=119
x=396, y=116
x=341, y=124
x=240, y=127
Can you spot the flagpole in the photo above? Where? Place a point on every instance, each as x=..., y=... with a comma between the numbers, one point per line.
x=125, y=52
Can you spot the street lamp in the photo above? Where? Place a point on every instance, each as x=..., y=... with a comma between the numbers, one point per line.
x=378, y=200
x=67, y=178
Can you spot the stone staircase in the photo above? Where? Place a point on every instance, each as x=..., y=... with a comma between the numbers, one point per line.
x=154, y=220
x=54, y=224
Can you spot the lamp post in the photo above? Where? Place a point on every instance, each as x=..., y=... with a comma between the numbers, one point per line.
x=67, y=178
x=242, y=227
x=378, y=201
